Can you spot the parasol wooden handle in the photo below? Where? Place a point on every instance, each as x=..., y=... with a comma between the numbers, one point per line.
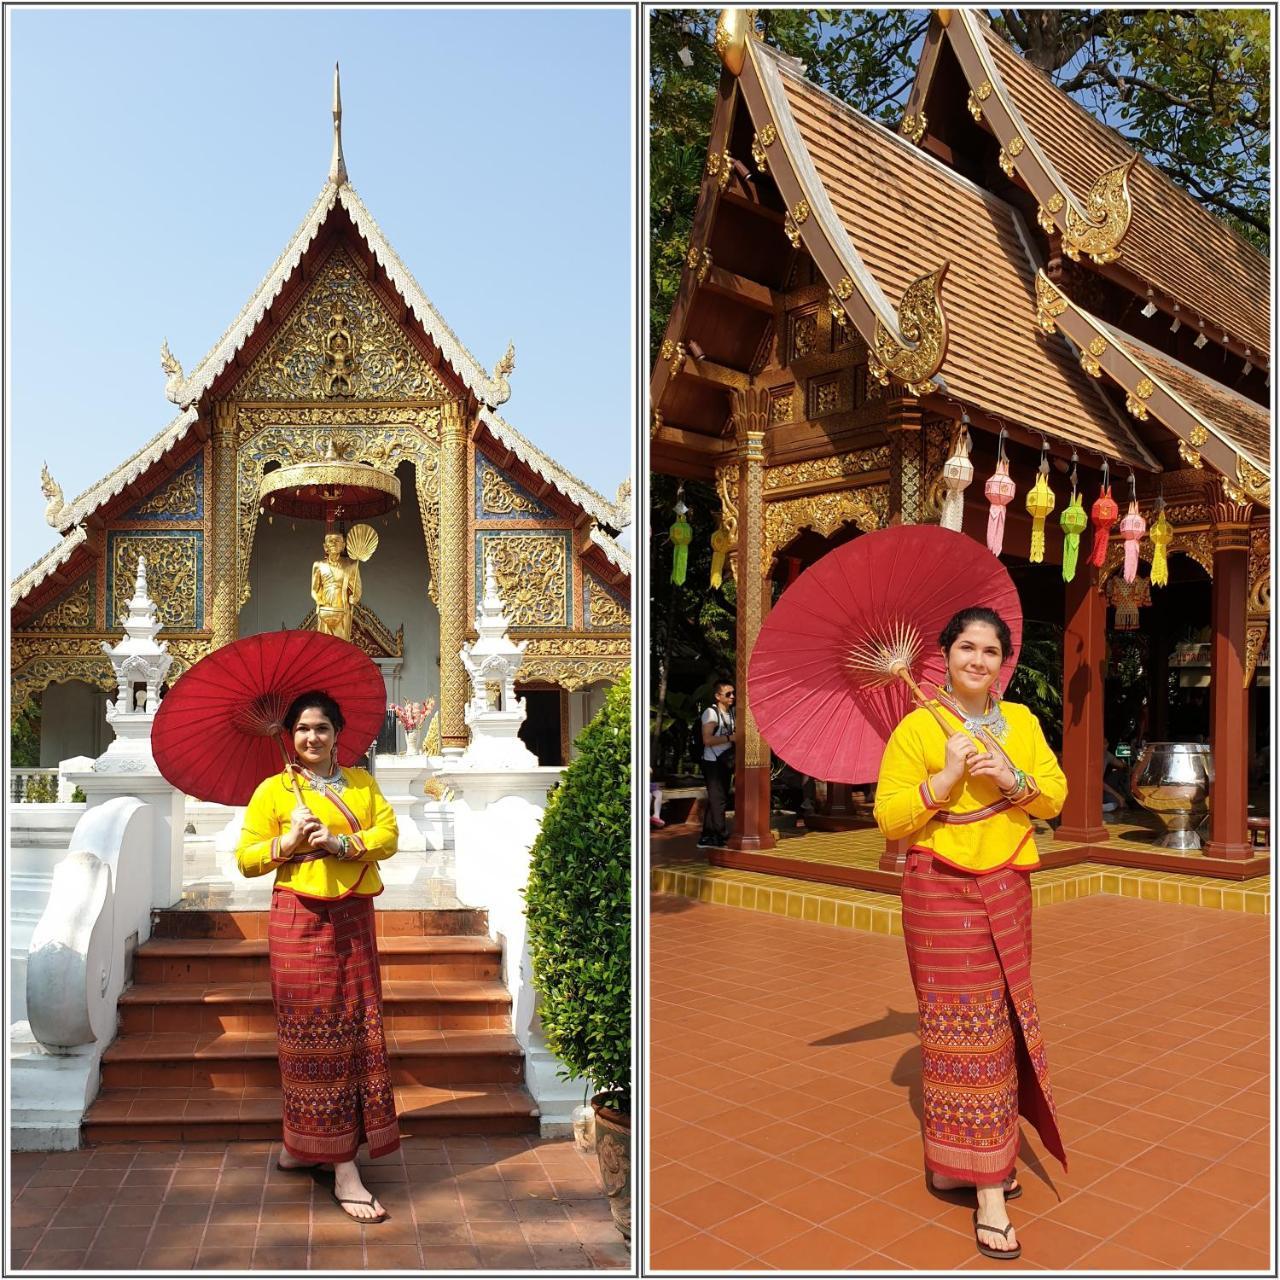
x=901, y=671
x=293, y=777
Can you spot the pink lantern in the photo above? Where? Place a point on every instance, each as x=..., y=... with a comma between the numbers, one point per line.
x=1132, y=529
x=999, y=490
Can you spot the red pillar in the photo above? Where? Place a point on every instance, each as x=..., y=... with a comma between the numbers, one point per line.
x=751, y=831
x=1228, y=695
x=1084, y=644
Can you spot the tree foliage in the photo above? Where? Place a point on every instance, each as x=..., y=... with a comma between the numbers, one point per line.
x=691, y=626
x=1190, y=89
x=24, y=736
x=578, y=905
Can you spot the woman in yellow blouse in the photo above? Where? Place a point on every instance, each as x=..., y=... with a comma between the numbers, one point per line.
x=966, y=801
x=335, y=1080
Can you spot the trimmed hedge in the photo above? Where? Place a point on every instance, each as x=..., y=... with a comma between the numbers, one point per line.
x=578, y=904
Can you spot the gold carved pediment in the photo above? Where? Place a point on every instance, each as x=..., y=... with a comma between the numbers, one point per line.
x=368, y=632
x=532, y=571
x=73, y=611
x=340, y=342
x=604, y=610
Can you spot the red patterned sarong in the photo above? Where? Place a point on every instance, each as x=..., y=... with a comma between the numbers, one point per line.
x=983, y=1058
x=334, y=1074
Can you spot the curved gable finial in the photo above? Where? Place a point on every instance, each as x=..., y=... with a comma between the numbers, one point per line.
x=337, y=165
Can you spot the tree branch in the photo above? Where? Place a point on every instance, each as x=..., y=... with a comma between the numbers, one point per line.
x=1217, y=199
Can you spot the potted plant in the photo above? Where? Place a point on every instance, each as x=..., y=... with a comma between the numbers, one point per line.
x=578, y=904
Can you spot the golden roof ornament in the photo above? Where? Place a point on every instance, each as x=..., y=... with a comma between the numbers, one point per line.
x=1108, y=209
x=921, y=322
x=734, y=27
x=337, y=165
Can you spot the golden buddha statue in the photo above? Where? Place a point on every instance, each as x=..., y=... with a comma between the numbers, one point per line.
x=335, y=587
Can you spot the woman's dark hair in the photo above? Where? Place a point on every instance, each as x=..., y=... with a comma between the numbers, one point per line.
x=951, y=632
x=322, y=702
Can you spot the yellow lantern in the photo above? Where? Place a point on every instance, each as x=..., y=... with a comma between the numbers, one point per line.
x=1161, y=534
x=1040, y=504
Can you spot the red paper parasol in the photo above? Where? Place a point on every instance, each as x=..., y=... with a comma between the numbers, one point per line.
x=218, y=733
x=815, y=709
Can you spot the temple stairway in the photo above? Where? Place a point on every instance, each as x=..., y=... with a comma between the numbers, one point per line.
x=195, y=1057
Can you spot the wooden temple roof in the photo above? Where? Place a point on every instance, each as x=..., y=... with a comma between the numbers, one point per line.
x=1172, y=243
x=905, y=213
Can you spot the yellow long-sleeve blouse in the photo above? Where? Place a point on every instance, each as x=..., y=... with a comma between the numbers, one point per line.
x=986, y=841
x=267, y=819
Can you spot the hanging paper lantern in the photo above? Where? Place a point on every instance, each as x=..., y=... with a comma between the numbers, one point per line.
x=957, y=475
x=1104, y=514
x=1074, y=522
x=1132, y=529
x=681, y=537
x=720, y=545
x=1040, y=502
x=999, y=490
x=1161, y=536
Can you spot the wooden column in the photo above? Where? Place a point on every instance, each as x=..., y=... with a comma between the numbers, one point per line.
x=1228, y=694
x=751, y=753
x=906, y=461
x=453, y=577
x=224, y=609
x=1084, y=644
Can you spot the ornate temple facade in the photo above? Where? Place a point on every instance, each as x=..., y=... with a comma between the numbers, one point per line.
x=339, y=356
x=857, y=302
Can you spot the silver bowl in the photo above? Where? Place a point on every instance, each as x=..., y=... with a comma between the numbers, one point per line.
x=1172, y=780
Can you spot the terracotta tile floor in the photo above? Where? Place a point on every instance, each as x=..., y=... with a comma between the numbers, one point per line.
x=455, y=1203
x=785, y=1080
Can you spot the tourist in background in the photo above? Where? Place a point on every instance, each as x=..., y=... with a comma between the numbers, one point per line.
x=718, y=737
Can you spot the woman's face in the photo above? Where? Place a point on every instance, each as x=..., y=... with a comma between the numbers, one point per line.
x=313, y=739
x=974, y=660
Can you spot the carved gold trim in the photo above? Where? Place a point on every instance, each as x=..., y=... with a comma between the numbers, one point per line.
x=796, y=218
x=913, y=126
x=1009, y=154
x=699, y=262
x=763, y=139
x=1045, y=212
x=1189, y=455
x=1135, y=400
x=922, y=322
x=720, y=167
x=977, y=97
x=1256, y=484
x=1050, y=303
x=824, y=513
x=1108, y=209
x=368, y=632
x=501, y=497
x=840, y=466
x=604, y=611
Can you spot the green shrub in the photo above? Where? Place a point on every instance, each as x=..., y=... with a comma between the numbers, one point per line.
x=578, y=904
x=24, y=736
x=78, y=796
x=41, y=789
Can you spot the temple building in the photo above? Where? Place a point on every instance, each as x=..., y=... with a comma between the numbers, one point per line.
x=861, y=305
x=338, y=399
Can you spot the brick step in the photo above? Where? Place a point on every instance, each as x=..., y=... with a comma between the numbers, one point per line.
x=216, y=961
x=170, y=923
x=237, y=1061
x=225, y=1115
x=245, y=1007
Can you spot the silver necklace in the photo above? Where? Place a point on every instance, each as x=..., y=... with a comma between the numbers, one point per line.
x=992, y=719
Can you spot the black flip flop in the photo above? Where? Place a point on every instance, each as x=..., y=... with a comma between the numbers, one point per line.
x=1003, y=1255
x=364, y=1222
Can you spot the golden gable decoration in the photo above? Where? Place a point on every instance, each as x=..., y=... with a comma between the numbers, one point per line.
x=532, y=574
x=176, y=499
x=502, y=498
x=604, y=610
x=368, y=632
x=173, y=578
x=74, y=612
x=340, y=341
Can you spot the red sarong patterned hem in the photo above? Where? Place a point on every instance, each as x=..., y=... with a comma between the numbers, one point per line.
x=983, y=1060
x=334, y=1073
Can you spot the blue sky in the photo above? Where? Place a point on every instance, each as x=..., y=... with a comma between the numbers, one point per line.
x=159, y=161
